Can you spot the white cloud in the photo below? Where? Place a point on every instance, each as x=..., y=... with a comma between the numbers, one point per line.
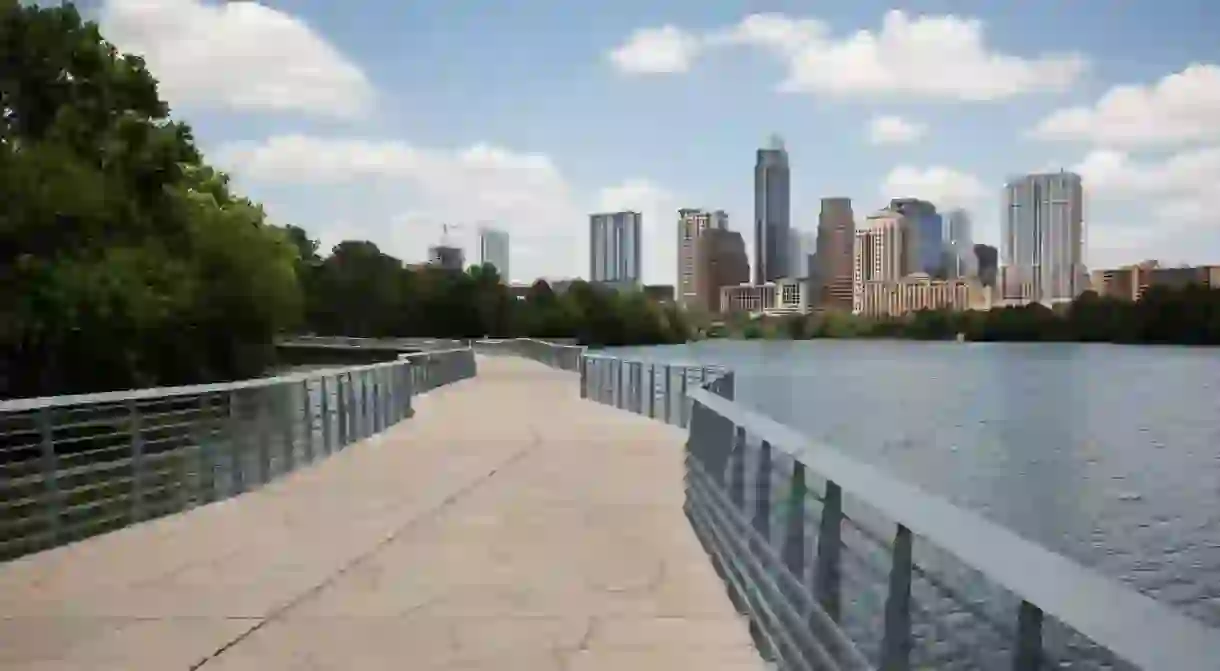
x=936, y=57
x=241, y=55
x=1178, y=189
x=894, y=130
x=663, y=50
x=943, y=186
x=408, y=192
x=1181, y=108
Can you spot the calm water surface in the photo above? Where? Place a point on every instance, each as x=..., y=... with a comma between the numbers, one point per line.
x=1107, y=454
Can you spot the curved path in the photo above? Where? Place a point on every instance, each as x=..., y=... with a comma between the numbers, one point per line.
x=508, y=525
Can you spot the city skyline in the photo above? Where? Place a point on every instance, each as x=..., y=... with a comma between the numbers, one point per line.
x=363, y=141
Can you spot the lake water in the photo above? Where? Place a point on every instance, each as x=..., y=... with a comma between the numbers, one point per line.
x=1107, y=454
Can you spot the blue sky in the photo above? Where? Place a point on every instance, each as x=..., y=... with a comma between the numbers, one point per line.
x=381, y=120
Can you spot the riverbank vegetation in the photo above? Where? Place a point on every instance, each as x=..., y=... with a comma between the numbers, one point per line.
x=127, y=261
x=1163, y=315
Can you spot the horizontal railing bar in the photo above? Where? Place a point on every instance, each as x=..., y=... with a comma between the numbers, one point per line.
x=1132, y=625
x=36, y=403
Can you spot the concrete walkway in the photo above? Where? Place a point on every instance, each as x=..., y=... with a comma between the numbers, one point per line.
x=509, y=525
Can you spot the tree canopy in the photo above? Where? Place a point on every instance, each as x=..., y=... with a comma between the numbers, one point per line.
x=126, y=260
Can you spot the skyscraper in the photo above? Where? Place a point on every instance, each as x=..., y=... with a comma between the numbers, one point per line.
x=881, y=251
x=614, y=248
x=692, y=223
x=925, y=239
x=959, y=244
x=493, y=250
x=1042, y=238
x=835, y=254
x=771, y=212
x=801, y=246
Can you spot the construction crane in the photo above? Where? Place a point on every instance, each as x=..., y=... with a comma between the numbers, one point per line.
x=445, y=232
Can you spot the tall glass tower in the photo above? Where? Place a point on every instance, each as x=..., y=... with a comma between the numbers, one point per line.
x=614, y=249
x=771, y=212
x=1042, y=238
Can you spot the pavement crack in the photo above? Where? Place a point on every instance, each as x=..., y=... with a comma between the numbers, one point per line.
x=428, y=515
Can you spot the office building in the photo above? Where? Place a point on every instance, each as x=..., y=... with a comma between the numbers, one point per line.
x=801, y=248
x=959, y=245
x=987, y=264
x=691, y=225
x=771, y=212
x=784, y=297
x=921, y=292
x=493, y=250
x=447, y=257
x=1042, y=238
x=880, y=252
x=720, y=260
x=1131, y=282
x=614, y=249
x=835, y=254
x=925, y=236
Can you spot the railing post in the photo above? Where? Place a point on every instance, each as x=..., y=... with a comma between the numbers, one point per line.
x=652, y=390
x=1027, y=654
x=264, y=440
x=283, y=412
x=365, y=417
x=737, y=466
x=324, y=404
x=762, y=491
x=684, y=409
x=638, y=374
x=794, y=538
x=665, y=394
x=237, y=478
x=307, y=421
x=340, y=411
x=50, y=475
x=827, y=574
x=138, y=466
x=896, y=643
x=207, y=451
x=583, y=364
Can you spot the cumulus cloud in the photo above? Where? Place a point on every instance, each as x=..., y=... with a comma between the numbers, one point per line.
x=667, y=49
x=935, y=57
x=894, y=130
x=946, y=187
x=405, y=194
x=240, y=55
x=1178, y=188
x=1181, y=108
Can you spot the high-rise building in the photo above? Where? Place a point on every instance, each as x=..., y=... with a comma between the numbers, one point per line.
x=771, y=212
x=493, y=250
x=880, y=252
x=959, y=244
x=614, y=249
x=835, y=254
x=1042, y=238
x=986, y=260
x=925, y=237
x=447, y=257
x=692, y=223
x=720, y=261
x=801, y=246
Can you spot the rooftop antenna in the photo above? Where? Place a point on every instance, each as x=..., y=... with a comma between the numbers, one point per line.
x=775, y=142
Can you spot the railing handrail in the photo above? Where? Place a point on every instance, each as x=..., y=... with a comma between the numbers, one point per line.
x=41, y=402
x=1136, y=627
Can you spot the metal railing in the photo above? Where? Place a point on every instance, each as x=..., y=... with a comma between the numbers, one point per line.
x=840, y=566
x=555, y=355
x=72, y=467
